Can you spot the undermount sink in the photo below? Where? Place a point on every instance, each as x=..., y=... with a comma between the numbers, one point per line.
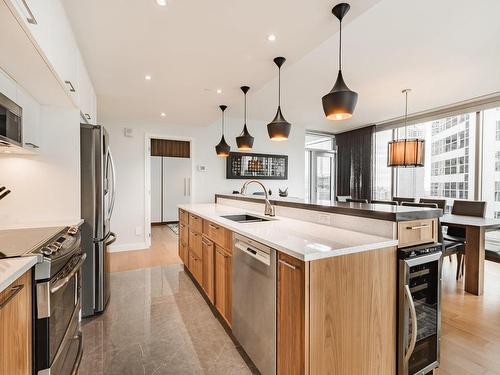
x=244, y=218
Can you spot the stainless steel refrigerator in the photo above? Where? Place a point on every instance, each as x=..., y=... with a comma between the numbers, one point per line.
x=98, y=191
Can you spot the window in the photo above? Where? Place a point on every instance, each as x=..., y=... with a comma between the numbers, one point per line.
x=320, y=159
x=497, y=137
x=383, y=173
x=497, y=191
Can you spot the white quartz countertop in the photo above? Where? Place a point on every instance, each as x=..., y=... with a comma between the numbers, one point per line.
x=12, y=268
x=301, y=239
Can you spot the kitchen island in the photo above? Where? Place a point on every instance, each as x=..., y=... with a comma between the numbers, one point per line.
x=336, y=285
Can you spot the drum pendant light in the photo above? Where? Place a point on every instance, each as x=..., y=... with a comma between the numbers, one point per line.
x=279, y=128
x=222, y=149
x=245, y=140
x=406, y=152
x=339, y=103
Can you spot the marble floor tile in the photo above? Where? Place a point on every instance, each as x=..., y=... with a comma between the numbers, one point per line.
x=157, y=323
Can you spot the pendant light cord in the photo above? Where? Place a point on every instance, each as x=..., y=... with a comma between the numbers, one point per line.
x=340, y=46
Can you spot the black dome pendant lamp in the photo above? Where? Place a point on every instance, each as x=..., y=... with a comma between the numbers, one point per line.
x=245, y=140
x=279, y=128
x=222, y=149
x=339, y=103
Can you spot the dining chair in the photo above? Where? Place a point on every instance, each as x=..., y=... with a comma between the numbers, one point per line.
x=342, y=198
x=392, y=203
x=441, y=203
x=355, y=200
x=401, y=199
x=454, y=238
x=415, y=204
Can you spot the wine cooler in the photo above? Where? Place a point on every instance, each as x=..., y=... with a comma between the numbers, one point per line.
x=419, y=309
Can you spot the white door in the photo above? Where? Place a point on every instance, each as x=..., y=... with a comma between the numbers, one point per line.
x=156, y=189
x=176, y=186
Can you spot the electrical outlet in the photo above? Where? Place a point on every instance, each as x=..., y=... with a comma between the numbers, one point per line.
x=324, y=219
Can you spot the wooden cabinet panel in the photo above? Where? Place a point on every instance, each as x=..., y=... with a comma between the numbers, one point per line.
x=195, y=243
x=196, y=267
x=195, y=223
x=183, y=217
x=218, y=234
x=291, y=321
x=223, y=269
x=15, y=327
x=184, y=253
x=208, y=251
x=416, y=232
x=183, y=234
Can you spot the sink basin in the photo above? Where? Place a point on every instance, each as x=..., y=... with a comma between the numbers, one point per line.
x=244, y=218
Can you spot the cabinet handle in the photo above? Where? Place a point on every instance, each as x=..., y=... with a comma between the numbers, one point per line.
x=13, y=291
x=418, y=227
x=213, y=226
x=287, y=264
x=206, y=243
x=88, y=116
x=71, y=87
x=31, y=17
x=32, y=145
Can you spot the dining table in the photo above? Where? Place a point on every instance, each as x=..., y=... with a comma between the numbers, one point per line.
x=475, y=232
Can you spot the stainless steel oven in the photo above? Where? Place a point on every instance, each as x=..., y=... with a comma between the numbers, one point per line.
x=58, y=339
x=419, y=326
x=11, y=127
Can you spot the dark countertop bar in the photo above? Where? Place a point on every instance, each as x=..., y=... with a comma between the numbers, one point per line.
x=368, y=210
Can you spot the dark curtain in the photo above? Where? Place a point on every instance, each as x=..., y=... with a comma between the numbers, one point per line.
x=354, y=163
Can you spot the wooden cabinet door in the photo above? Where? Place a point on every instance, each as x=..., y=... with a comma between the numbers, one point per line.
x=195, y=243
x=15, y=327
x=183, y=253
x=223, y=269
x=183, y=233
x=291, y=316
x=208, y=260
x=196, y=267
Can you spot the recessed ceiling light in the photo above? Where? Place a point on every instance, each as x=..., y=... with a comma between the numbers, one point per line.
x=271, y=37
x=163, y=114
x=161, y=3
x=219, y=91
x=147, y=77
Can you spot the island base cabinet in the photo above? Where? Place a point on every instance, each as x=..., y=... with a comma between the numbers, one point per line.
x=195, y=266
x=15, y=327
x=207, y=247
x=223, y=270
x=292, y=319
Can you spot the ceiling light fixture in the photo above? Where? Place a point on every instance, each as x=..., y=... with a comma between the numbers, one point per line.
x=163, y=114
x=406, y=152
x=162, y=3
x=340, y=102
x=279, y=128
x=222, y=149
x=219, y=91
x=147, y=77
x=245, y=140
x=271, y=37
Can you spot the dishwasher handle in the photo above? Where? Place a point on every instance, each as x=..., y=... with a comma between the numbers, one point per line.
x=257, y=254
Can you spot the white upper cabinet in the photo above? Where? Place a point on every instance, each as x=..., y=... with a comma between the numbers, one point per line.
x=50, y=31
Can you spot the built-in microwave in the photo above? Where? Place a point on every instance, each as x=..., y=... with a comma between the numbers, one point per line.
x=11, y=127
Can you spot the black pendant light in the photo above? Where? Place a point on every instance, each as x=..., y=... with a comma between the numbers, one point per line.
x=245, y=140
x=339, y=103
x=406, y=152
x=279, y=128
x=222, y=149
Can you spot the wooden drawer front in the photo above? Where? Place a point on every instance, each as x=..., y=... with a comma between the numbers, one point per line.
x=416, y=232
x=195, y=223
x=195, y=243
x=220, y=235
x=183, y=217
x=208, y=268
x=196, y=267
x=183, y=234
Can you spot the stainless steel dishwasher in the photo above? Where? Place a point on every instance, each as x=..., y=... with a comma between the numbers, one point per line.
x=254, y=301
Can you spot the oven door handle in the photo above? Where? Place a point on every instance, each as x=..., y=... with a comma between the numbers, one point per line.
x=62, y=282
x=413, y=316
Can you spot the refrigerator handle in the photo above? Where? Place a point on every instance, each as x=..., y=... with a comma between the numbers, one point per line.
x=113, y=188
x=413, y=316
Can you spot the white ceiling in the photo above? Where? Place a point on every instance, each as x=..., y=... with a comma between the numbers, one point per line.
x=446, y=51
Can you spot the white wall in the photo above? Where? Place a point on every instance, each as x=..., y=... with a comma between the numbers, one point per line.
x=129, y=216
x=45, y=187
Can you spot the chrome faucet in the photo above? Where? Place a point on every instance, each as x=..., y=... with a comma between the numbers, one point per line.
x=269, y=208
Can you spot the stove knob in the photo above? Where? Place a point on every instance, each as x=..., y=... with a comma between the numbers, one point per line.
x=73, y=230
x=46, y=251
x=53, y=247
